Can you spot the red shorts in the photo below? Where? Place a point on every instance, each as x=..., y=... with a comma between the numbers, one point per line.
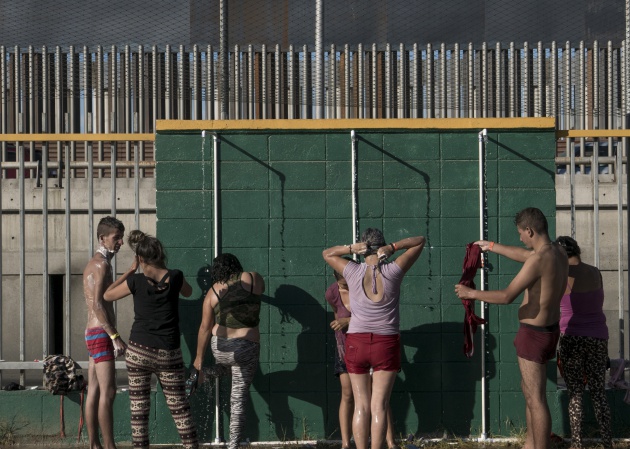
x=366, y=350
x=537, y=344
x=99, y=345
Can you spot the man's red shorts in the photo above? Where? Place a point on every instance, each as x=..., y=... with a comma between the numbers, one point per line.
x=99, y=344
x=537, y=344
x=366, y=350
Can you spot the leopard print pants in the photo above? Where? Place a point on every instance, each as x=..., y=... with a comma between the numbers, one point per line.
x=583, y=361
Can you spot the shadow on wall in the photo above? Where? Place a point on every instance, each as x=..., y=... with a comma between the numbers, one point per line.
x=439, y=387
x=298, y=371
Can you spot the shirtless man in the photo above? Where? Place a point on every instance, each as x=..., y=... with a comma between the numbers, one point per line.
x=543, y=278
x=101, y=337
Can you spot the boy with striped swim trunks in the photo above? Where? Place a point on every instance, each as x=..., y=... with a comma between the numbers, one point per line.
x=101, y=337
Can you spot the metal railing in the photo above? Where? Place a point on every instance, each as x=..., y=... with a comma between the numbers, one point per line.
x=604, y=149
x=108, y=90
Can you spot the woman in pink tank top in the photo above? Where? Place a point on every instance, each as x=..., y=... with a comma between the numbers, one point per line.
x=373, y=338
x=583, y=352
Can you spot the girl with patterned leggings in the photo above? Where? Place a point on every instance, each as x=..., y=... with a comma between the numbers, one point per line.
x=154, y=342
x=231, y=314
x=583, y=349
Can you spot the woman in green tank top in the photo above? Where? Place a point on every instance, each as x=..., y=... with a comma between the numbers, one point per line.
x=231, y=313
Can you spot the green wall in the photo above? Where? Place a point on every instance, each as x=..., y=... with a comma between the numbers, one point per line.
x=285, y=195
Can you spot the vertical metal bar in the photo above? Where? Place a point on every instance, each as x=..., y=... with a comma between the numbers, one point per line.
x=554, y=106
x=540, y=87
x=45, y=280
x=360, y=81
x=72, y=112
x=332, y=82
x=181, y=75
x=572, y=183
x=471, y=81
x=346, y=76
x=264, y=86
x=595, y=78
x=484, y=80
x=402, y=82
x=620, y=260
x=526, y=82
x=154, y=86
x=499, y=102
x=581, y=111
x=388, y=80
x=196, y=83
x=140, y=113
x=512, y=80
x=210, y=85
x=457, y=96
x=113, y=90
x=168, y=83
x=223, y=59
x=414, y=103
x=20, y=154
x=45, y=250
x=319, y=59
x=374, y=81
x=68, y=248
x=278, y=83
x=443, y=88
x=567, y=87
x=100, y=100
x=625, y=110
x=17, y=89
x=128, y=117
x=610, y=106
x=250, y=82
x=430, y=91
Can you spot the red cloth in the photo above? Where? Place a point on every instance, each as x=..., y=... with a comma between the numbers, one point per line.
x=472, y=262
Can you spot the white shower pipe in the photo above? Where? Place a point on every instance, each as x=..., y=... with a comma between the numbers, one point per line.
x=215, y=226
x=355, y=202
x=483, y=138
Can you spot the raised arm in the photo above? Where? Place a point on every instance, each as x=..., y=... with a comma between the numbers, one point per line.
x=333, y=255
x=517, y=253
x=528, y=275
x=413, y=247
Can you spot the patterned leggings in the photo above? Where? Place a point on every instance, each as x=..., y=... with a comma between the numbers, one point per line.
x=168, y=366
x=242, y=355
x=586, y=357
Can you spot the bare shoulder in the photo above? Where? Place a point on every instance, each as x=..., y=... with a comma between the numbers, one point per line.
x=96, y=265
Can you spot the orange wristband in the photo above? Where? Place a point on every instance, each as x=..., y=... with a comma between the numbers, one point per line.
x=490, y=246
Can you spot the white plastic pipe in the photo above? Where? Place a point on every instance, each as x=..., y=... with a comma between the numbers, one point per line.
x=215, y=234
x=355, y=219
x=483, y=138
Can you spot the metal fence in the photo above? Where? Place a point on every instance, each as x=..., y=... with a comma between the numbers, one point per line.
x=111, y=90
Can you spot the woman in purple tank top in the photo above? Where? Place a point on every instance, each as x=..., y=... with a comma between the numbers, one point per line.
x=373, y=336
x=338, y=296
x=583, y=352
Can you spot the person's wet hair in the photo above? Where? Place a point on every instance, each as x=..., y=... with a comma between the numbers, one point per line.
x=107, y=225
x=147, y=247
x=570, y=245
x=532, y=218
x=224, y=266
x=374, y=239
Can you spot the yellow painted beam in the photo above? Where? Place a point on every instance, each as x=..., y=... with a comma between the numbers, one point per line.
x=111, y=137
x=594, y=133
x=348, y=124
